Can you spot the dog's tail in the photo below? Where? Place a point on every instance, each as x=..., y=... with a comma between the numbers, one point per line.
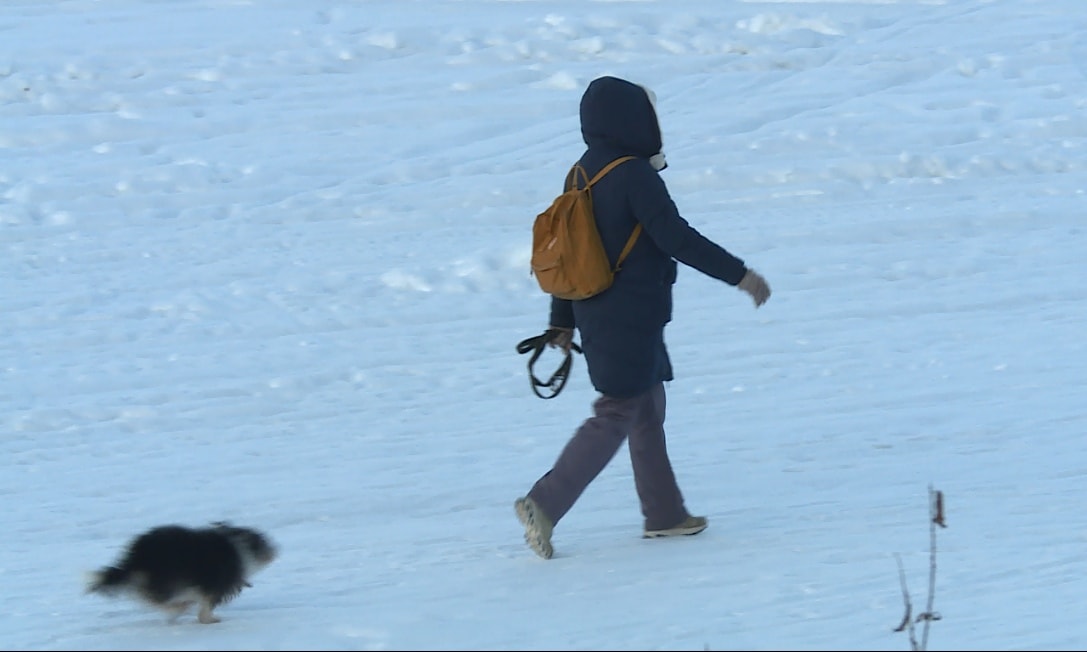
x=107, y=580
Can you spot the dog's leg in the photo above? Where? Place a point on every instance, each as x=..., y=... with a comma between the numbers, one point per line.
x=175, y=609
x=206, y=616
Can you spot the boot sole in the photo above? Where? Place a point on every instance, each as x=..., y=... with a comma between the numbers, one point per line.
x=677, y=532
x=526, y=513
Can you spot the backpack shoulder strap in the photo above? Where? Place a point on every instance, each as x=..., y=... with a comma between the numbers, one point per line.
x=576, y=172
x=608, y=168
x=630, y=245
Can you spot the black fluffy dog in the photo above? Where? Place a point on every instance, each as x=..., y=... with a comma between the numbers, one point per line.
x=173, y=567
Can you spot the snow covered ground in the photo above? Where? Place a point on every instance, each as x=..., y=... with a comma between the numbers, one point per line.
x=268, y=262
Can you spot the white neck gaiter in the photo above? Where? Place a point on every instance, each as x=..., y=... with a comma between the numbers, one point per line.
x=657, y=160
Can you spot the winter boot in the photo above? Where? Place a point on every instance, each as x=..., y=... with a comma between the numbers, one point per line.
x=689, y=525
x=538, y=526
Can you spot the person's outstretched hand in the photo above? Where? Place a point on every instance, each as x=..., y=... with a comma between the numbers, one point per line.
x=755, y=285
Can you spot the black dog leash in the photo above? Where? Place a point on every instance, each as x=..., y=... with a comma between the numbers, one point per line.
x=561, y=375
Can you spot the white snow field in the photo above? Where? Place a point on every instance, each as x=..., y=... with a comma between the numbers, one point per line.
x=268, y=262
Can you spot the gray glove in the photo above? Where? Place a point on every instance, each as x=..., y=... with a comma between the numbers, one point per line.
x=756, y=286
x=563, y=339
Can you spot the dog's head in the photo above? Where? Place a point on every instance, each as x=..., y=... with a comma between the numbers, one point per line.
x=256, y=550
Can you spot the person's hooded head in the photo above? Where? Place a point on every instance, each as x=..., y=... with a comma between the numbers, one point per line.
x=621, y=115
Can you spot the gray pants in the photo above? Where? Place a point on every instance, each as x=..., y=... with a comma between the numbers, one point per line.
x=640, y=420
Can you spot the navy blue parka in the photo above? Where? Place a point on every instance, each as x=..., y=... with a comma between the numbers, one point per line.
x=622, y=328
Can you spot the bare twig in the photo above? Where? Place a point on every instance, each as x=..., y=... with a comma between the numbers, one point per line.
x=907, y=618
x=936, y=513
x=936, y=517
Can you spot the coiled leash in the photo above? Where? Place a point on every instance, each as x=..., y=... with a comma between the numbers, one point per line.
x=561, y=375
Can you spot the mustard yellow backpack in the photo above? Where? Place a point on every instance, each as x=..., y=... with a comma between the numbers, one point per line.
x=568, y=258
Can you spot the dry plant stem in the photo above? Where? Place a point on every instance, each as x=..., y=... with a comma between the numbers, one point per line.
x=936, y=517
x=907, y=619
x=936, y=514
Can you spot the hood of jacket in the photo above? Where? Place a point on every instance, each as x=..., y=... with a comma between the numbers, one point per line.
x=621, y=115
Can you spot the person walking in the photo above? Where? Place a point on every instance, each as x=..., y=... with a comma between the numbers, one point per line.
x=622, y=328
